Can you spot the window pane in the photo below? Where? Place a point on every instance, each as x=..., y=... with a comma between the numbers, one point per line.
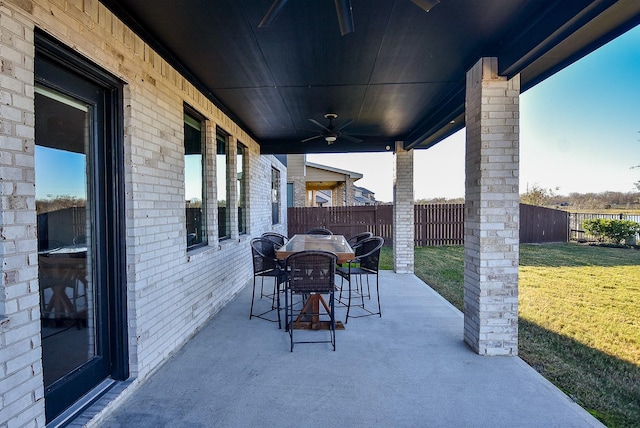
x=275, y=196
x=221, y=179
x=194, y=182
x=289, y=195
x=64, y=206
x=240, y=171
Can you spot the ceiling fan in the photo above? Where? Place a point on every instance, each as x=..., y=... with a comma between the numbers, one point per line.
x=343, y=9
x=330, y=132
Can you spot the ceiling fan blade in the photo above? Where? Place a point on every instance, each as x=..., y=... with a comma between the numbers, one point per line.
x=345, y=16
x=272, y=13
x=315, y=122
x=345, y=124
x=311, y=138
x=350, y=138
x=426, y=5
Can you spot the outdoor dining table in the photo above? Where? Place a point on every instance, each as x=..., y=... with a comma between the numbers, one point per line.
x=336, y=244
x=61, y=268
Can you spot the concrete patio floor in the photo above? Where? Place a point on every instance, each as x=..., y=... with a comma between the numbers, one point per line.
x=409, y=368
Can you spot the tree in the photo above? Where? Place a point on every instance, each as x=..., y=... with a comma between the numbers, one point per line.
x=537, y=195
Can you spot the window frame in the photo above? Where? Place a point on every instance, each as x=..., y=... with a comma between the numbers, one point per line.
x=275, y=195
x=193, y=119
x=241, y=181
x=224, y=138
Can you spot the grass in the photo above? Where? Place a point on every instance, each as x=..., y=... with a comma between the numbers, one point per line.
x=579, y=319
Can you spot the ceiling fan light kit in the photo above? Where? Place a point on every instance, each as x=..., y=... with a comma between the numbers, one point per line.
x=426, y=5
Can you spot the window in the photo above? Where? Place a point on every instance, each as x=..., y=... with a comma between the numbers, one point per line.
x=240, y=175
x=290, y=195
x=194, y=180
x=275, y=196
x=222, y=141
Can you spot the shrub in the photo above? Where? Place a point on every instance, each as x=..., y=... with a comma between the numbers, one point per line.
x=611, y=229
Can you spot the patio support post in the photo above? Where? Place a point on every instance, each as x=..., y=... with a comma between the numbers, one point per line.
x=335, y=191
x=403, y=215
x=350, y=199
x=299, y=191
x=491, y=240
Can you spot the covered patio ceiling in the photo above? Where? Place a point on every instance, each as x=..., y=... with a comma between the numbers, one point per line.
x=398, y=76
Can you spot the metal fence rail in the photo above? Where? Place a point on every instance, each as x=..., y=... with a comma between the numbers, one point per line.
x=577, y=232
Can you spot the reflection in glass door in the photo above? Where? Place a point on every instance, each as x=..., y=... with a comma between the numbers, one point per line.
x=64, y=234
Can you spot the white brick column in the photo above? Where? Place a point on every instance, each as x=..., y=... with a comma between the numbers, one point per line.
x=491, y=211
x=299, y=191
x=336, y=200
x=403, y=216
x=350, y=192
x=21, y=383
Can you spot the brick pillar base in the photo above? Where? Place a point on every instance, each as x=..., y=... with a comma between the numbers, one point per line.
x=491, y=211
x=403, y=216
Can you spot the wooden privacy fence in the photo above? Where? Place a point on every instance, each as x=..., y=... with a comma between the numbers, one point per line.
x=435, y=224
x=347, y=221
x=539, y=225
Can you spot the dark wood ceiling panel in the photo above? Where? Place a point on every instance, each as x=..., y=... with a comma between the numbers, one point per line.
x=307, y=49
x=402, y=69
x=403, y=106
x=261, y=110
x=306, y=103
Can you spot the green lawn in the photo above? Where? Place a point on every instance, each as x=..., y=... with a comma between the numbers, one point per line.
x=579, y=319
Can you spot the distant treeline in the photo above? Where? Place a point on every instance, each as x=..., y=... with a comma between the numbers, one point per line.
x=604, y=200
x=58, y=203
x=545, y=197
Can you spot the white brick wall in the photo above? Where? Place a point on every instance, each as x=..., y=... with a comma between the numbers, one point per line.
x=170, y=292
x=403, y=211
x=21, y=389
x=491, y=211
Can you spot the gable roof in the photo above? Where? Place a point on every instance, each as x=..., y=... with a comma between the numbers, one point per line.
x=353, y=175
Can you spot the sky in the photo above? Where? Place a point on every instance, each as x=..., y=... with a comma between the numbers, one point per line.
x=579, y=132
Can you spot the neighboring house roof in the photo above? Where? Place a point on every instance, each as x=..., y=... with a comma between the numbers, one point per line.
x=364, y=190
x=321, y=200
x=352, y=174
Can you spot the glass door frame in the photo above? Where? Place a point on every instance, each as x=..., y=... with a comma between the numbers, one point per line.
x=62, y=70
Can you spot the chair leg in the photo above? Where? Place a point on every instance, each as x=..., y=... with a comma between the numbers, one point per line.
x=333, y=319
x=360, y=283
x=275, y=305
x=253, y=294
x=378, y=296
x=286, y=309
x=290, y=322
x=368, y=288
x=346, y=318
x=359, y=287
x=278, y=303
